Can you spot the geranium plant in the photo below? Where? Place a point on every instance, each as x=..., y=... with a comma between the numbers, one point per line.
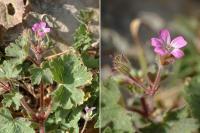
x=43, y=91
x=128, y=102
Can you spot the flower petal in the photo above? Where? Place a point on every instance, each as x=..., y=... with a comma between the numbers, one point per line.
x=35, y=27
x=41, y=34
x=42, y=24
x=87, y=109
x=177, y=53
x=178, y=42
x=165, y=36
x=46, y=30
x=160, y=51
x=156, y=42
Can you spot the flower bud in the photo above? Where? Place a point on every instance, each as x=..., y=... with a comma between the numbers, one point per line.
x=122, y=64
x=88, y=113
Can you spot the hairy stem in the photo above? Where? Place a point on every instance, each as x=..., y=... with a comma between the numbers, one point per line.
x=157, y=80
x=84, y=127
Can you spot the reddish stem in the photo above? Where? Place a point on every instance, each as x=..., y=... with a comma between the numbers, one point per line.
x=27, y=108
x=42, y=128
x=137, y=111
x=145, y=109
x=33, y=61
x=6, y=87
x=136, y=82
x=145, y=106
x=41, y=96
x=157, y=80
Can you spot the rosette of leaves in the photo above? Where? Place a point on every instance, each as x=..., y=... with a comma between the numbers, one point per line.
x=67, y=72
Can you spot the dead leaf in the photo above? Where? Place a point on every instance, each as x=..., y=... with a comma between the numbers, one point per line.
x=12, y=12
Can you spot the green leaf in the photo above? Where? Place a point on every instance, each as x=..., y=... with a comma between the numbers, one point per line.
x=73, y=119
x=9, y=70
x=61, y=98
x=155, y=128
x=173, y=122
x=192, y=97
x=110, y=92
x=175, y=115
x=19, y=50
x=63, y=120
x=86, y=15
x=90, y=62
x=107, y=130
x=38, y=74
x=118, y=116
x=70, y=74
x=10, y=125
x=112, y=111
x=47, y=76
x=82, y=38
x=12, y=98
x=187, y=125
x=66, y=98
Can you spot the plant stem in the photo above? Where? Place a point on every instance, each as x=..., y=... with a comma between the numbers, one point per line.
x=27, y=108
x=84, y=127
x=25, y=87
x=157, y=80
x=41, y=96
x=58, y=54
x=134, y=27
x=136, y=82
x=33, y=61
x=145, y=106
x=42, y=128
x=136, y=110
x=5, y=86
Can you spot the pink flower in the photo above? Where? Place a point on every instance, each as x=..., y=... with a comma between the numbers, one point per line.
x=40, y=29
x=164, y=46
x=89, y=110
